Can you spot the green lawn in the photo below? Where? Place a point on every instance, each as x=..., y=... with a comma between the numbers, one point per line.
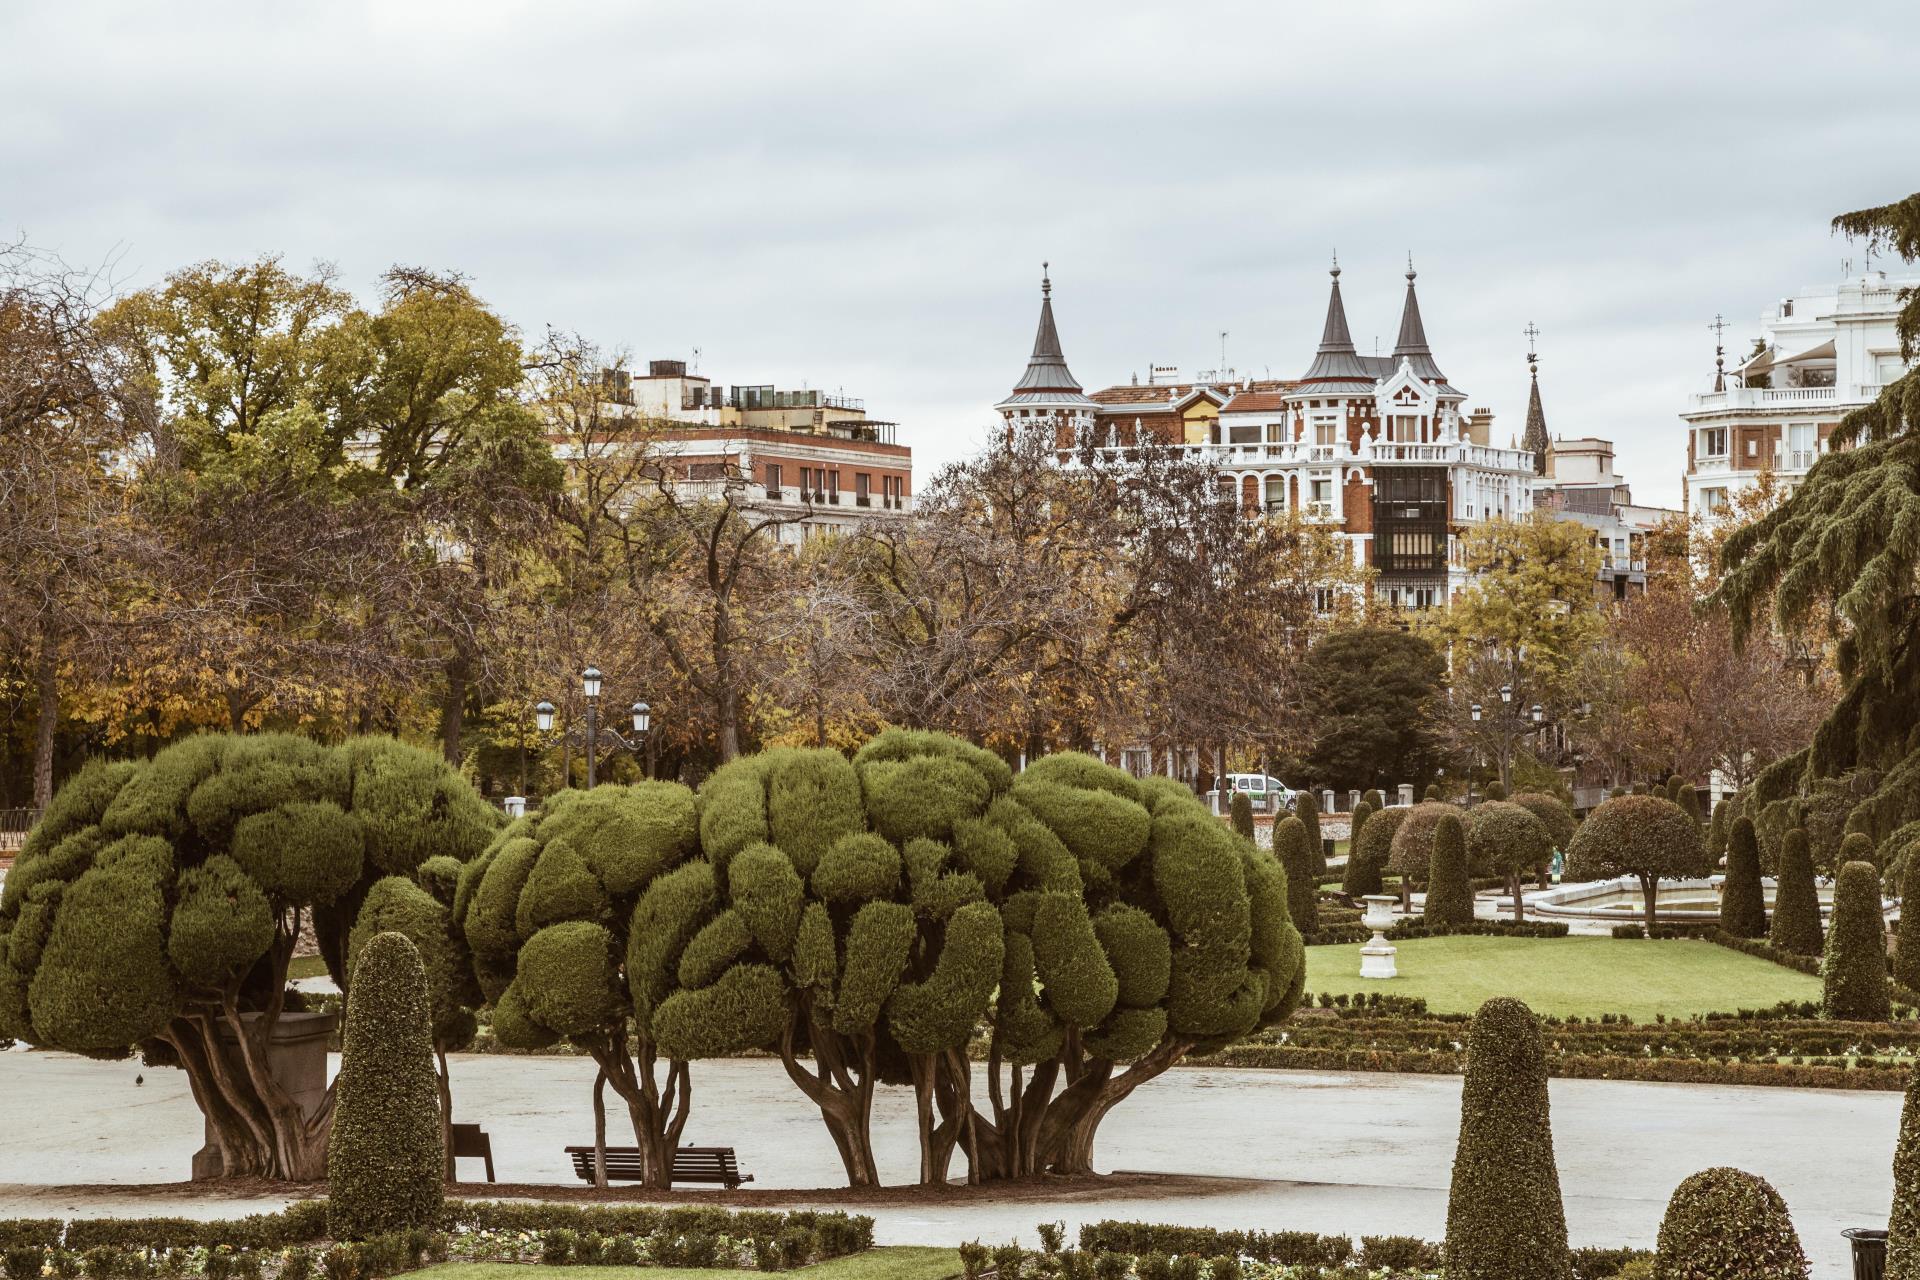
x=1570, y=976
x=307, y=967
x=901, y=1263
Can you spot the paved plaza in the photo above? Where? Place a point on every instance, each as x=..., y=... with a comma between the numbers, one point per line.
x=1360, y=1154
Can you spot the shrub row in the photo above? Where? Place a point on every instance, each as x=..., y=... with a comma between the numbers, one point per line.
x=1410, y=927
x=1140, y=1241
x=1573, y=1067
x=621, y=1235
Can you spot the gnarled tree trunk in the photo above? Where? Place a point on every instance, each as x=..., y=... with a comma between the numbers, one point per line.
x=840, y=1084
x=657, y=1107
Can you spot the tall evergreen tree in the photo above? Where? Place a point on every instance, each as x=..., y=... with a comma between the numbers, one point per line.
x=1505, y=1220
x=1796, y=904
x=1844, y=540
x=1717, y=833
x=1290, y=847
x=1356, y=880
x=1242, y=813
x=1449, y=896
x=1307, y=809
x=1854, y=971
x=1743, y=906
x=1903, y=1231
x=1906, y=952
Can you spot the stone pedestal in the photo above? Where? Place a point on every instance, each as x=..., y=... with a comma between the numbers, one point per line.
x=297, y=1057
x=1377, y=957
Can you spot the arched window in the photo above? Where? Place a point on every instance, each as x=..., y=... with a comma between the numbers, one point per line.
x=1276, y=492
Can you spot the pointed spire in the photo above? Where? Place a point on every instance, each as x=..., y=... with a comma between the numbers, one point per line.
x=1336, y=357
x=1412, y=343
x=1535, y=439
x=1047, y=379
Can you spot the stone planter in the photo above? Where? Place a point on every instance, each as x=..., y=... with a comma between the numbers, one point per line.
x=1377, y=957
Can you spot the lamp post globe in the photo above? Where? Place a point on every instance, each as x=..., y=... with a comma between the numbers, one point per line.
x=590, y=682
x=543, y=716
x=1476, y=713
x=1538, y=714
x=642, y=717
x=1506, y=693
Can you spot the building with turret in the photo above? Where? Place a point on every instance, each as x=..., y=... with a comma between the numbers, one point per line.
x=1380, y=448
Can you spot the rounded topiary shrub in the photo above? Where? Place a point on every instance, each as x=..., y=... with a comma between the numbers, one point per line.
x=1496, y=791
x=1242, y=814
x=385, y=1161
x=1647, y=837
x=1743, y=904
x=1449, y=902
x=1553, y=813
x=1854, y=971
x=1504, y=1216
x=1509, y=840
x=1412, y=847
x=1796, y=903
x=1725, y=1224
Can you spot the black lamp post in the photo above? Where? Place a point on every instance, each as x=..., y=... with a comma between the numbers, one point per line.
x=590, y=682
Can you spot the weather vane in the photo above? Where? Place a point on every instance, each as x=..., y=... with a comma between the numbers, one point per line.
x=1532, y=331
x=1719, y=327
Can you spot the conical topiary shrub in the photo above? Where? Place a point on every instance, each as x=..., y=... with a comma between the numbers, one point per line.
x=385, y=1161
x=1717, y=833
x=1858, y=847
x=1903, y=1229
x=1796, y=904
x=1449, y=896
x=1854, y=970
x=1743, y=903
x=1372, y=848
x=1241, y=809
x=1504, y=1216
x=1432, y=792
x=1726, y=1224
x=1290, y=847
x=1360, y=877
x=1906, y=951
x=1307, y=809
x=1687, y=798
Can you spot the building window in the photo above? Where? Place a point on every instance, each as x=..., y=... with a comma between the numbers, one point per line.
x=1713, y=501
x=1326, y=430
x=1404, y=428
x=1243, y=434
x=1713, y=442
x=861, y=485
x=1276, y=493
x=1803, y=445
x=773, y=480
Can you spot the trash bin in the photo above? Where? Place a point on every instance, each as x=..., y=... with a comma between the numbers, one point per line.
x=1326, y=846
x=1869, y=1253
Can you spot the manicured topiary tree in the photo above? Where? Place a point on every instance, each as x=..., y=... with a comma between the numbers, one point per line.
x=1796, y=902
x=1858, y=846
x=1359, y=877
x=1642, y=836
x=1903, y=1228
x=1507, y=839
x=1449, y=901
x=1307, y=809
x=1412, y=849
x=1743, y=903
x=386, y=1164
x=1717, y=834
x=1556, y=815
x=1853, y=973
x=1726, y=1224
x=1906, y=951
x=1432, y=793
x=1504, y=1216
x=1242, y=814
x=1374, y=798
x=582, y=919
x=1496, y=791
x=1688, y=799
x=156, y=906
x=1290, y=847
x=1372, y=850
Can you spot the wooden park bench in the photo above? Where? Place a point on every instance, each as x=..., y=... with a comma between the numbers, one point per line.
x=690, y=1164
x=470, y=1141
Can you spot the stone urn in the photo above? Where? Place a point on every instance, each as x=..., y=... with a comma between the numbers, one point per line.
x=1376, y=958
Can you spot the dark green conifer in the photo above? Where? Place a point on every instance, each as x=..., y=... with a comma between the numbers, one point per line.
x=1743, y=904
x=1360, y=877
x=1906, y=952
x=1449, y=897
x=1854, y=969
x=1903, y=1230
x=1307, y=809
x=1242, y=811
x=1796, y=904
x=1290, y=846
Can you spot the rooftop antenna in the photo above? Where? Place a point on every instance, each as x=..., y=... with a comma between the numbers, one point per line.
x=695, y=361
x=1223, y=352
x=1719, y=327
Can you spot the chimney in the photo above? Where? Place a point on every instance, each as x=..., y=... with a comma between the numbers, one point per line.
x=1480, y=426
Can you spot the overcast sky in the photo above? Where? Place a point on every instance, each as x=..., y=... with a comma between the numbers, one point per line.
x=859, y=196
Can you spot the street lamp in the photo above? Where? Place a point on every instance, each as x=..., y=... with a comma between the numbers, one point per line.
x=1476, y=713
x=590, y=684
x=1537, y=713
x=1506, y=693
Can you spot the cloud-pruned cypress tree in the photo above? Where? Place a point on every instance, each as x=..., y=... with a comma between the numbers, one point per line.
x=1796, y=901
x=1853, y=973
x=1290, y=847
x=1903, y=1228
x=1359, y=877
x=1743, y=901
x=1307, y=809
x=580, y=918
x=154, y=898
x=1097, y=926
x=1726, y=1224
x=1505, y=1220
x=1449, y=902
x=386, y=1163
x=1241, y=812
x=1646, y=837
x=1508, y=839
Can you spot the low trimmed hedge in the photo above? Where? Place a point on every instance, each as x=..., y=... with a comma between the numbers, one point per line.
x=1410, y=927
x=1375, y=1256
x=292, y=1244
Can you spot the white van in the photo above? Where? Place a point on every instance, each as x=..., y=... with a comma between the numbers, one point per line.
x=1261, y=787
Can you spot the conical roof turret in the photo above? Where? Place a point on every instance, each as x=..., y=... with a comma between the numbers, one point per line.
x=1047, y=382
x=1336, y=361
x=1535, y=438
x=1412, y=343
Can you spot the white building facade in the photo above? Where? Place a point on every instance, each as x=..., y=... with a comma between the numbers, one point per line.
x=1821, y=353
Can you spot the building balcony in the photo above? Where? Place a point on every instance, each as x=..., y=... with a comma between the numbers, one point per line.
x=1782, y=398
